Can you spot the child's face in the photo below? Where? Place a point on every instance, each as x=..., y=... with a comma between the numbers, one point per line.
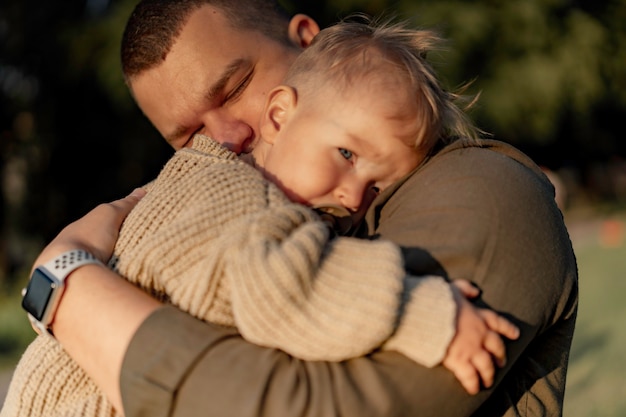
x=334, y=147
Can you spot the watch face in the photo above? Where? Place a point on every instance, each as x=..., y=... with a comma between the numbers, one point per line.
x=38, y=293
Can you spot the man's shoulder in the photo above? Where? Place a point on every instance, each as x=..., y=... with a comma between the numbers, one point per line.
x=470, y=152
x=487, y=175
x=478, y=163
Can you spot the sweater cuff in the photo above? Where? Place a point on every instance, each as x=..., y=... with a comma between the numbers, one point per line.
x=428, y=320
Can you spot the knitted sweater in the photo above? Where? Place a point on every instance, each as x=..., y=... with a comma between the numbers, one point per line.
x=216, y=239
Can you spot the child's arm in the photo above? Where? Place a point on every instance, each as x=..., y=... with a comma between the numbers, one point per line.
x=477, y=343
x=475, y=346
x=230, y=248
x=318, y=298
x=328, y=299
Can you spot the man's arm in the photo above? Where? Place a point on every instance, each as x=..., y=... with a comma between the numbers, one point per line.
x=172, y=364
x=178, y=366
x=99, y=312
x=190, y=368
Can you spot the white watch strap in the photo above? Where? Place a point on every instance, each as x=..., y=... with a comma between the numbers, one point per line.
x=64, y=264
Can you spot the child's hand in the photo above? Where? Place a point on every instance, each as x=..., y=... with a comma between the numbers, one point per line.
x=477, y=343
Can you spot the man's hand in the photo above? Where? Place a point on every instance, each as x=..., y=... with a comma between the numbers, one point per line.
x=95, y=232
x=478, y=341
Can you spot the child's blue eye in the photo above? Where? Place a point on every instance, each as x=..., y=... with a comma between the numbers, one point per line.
x=345, y=153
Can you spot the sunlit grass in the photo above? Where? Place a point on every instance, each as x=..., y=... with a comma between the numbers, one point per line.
x=15, y=330
x=596, y=384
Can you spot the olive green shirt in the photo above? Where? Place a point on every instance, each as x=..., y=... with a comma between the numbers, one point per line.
x=483, y=212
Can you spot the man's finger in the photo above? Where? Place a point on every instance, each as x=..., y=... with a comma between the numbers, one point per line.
x=127, y=203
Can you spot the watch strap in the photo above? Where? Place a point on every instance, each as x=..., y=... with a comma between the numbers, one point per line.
x=58, y=269
x=64, y=264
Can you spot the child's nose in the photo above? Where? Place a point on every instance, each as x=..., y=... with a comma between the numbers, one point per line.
x=351, y=196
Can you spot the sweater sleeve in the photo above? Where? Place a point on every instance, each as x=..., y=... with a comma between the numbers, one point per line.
x=427, y=320
x=223, y=244
x=318, y=298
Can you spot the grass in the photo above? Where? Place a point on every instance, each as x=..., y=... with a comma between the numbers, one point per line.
x=596, y=384
x=15, y=330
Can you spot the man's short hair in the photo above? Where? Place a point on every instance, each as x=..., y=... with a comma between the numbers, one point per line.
x=154, y=25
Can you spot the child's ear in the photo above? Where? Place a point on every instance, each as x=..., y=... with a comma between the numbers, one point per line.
x=281, y=102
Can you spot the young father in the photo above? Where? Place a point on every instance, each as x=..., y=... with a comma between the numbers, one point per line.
x=482, y=212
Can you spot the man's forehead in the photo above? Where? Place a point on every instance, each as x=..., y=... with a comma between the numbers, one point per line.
x=209, y=29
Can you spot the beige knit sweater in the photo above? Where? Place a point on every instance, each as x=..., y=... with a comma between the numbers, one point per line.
x=216, y=239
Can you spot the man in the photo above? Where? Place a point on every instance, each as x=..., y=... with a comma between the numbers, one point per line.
x=484, y=213
x=211, y=81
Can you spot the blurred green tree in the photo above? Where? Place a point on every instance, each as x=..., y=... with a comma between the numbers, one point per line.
x=551, y=74
x=71, y=136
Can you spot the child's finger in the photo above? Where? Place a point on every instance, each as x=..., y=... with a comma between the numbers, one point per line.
x=499, y=324
x=467, y=376
x=466, y=288
x=484, y=366
x=494, y=345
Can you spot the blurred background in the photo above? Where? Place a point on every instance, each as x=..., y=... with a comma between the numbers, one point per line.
x=552, y=79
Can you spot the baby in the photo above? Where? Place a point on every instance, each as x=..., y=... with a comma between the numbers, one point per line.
x=237, y=242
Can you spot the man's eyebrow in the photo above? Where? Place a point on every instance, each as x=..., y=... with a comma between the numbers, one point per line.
x=214, y=91
x=218, y=86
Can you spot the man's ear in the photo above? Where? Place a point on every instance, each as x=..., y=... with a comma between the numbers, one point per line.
x=302, y=29
x=281, y=102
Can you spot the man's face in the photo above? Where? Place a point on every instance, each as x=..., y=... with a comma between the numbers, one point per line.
x=214, y=81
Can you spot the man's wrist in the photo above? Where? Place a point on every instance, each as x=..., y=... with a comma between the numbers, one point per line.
x=47, y=284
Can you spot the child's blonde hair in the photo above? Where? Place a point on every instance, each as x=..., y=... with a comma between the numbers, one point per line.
x=349, y=51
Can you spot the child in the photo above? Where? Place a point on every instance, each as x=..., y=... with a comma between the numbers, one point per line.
x=359, y=110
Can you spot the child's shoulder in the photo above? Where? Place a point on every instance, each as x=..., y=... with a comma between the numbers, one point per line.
x=205, y=145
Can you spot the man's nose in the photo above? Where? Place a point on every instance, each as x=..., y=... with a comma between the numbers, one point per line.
x=232, y=133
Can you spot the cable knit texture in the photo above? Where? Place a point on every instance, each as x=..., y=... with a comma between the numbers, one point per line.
x=216, y=239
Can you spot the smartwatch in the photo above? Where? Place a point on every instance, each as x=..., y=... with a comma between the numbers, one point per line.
x=41, y=297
